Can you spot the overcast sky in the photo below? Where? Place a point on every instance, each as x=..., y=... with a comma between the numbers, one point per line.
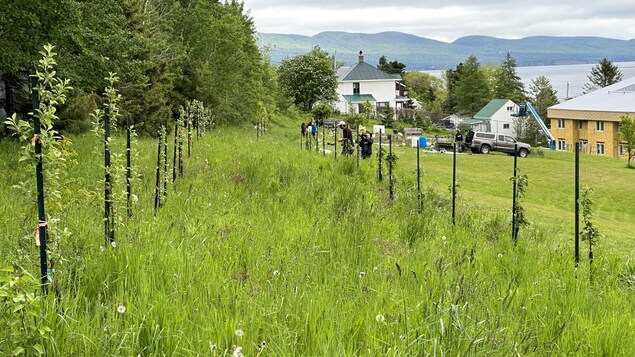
x=450, y=19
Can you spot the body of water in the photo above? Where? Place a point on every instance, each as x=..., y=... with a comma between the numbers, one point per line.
x=563, y=78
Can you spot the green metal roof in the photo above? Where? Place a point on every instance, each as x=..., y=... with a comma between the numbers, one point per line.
x=362, y=71
x=490, y=109
x=359, y=98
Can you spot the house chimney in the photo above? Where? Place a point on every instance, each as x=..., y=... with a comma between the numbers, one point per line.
x=361, y=56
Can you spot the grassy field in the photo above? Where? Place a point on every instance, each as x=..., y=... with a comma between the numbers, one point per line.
x=282, y=252
x=549, y=202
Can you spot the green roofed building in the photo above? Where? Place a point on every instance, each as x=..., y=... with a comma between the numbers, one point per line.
x=363, y=83
x=496, y=117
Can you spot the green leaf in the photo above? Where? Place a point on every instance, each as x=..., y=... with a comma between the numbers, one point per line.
x=18, y=351
x=39, y=348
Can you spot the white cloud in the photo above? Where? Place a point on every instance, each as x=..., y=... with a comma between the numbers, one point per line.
x=447, y=20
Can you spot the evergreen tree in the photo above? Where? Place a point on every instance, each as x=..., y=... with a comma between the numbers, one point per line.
x=451, y=78
x=308, y=78
x=507, y=83
x=392, y=67
x=472, y=92
x=542, y=96
x=603, y=74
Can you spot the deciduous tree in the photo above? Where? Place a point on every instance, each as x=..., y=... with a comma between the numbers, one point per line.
x=308, y=78
x=627, y=135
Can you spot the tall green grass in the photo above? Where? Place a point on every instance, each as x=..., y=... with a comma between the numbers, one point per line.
x=310, y=255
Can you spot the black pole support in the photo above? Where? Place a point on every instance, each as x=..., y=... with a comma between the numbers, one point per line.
x=157, y=193
x=165, y=164
x=108, y=219
x=390, y=163
x=176, y=131
x=419, y=204
x=515, y=197
x=454, y=184
x=39, y=177
x=128, y=170
x=379, y=155
x=577, y=204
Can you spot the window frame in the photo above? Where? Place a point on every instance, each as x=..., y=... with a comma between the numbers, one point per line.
x=599, y=145
x=598, y=124
x=561, y=124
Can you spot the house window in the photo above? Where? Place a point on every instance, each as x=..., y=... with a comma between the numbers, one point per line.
x=599, y=148
x=356, y=88
x=599, y=126
x=560, y=123
x=579, y=124
x=505, y=126
x=620, y=150
x=509, y=109
x=562, y=145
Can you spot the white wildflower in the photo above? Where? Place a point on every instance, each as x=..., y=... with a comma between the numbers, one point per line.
x=276, y=273
x=212, y=346
x=238, y=352
x=500, y=255
x=113, y=244
x=443, y=238
x=121, y=309
x=380, y=318
x=135, y=198
x=362, y=274
x=375, y=268
x=239, y=333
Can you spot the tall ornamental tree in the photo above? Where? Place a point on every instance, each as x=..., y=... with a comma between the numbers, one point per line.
x=542, y=96
x=472, y=92
x=507, y=83
x=308, y=78
x=603, y=74
x=627, y=135
x=427, y=89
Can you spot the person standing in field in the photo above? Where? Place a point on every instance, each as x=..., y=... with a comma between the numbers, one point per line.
x=314, y=129
x=366, y=144
x=346, y=139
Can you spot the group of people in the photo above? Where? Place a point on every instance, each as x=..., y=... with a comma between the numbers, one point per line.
x=348, y=143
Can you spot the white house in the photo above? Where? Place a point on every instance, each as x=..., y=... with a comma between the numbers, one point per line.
x=363, y=82
x=496, y=117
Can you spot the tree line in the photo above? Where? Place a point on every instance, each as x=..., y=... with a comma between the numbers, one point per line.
x=165, y=52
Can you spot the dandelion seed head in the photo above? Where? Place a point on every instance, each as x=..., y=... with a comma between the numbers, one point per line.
x=444, y=238
x=121, y=309
x=238, y=352
x=239, y=333
x=362, y=274
x=500, y=255
x=380, y=318
x=213, y=346
x=276, y=273
x=375, y=268
x=113, y=244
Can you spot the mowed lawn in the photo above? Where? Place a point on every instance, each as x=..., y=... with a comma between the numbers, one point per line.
x=484, y=182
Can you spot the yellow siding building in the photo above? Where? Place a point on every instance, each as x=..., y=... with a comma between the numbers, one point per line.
x=594, y=119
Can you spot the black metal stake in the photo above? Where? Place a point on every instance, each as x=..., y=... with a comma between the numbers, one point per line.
x=39, y=177
x=454, y=184
x=176, y=131
x=323, y=138
x=418, y=178
x=157, y=186
x=577, y=204
x=128, y=170
x=357, y=146
x=379, y=155
x=390, y=163
x=165, y=164
x=198, y=120
x=301, y=137
x=515, y=197
x=335, y=142
x=108, y=217
x=189, y=136
x=181, y=150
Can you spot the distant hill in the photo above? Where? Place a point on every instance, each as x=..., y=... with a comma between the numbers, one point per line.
x=419, y=53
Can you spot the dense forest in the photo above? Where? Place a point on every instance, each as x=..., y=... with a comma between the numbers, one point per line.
x=165, y=52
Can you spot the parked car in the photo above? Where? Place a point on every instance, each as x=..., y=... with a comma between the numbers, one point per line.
x=485, y=142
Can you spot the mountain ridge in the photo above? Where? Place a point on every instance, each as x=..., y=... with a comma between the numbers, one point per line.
x=421, y=53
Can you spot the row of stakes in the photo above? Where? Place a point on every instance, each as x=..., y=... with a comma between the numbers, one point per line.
x=458, y=141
